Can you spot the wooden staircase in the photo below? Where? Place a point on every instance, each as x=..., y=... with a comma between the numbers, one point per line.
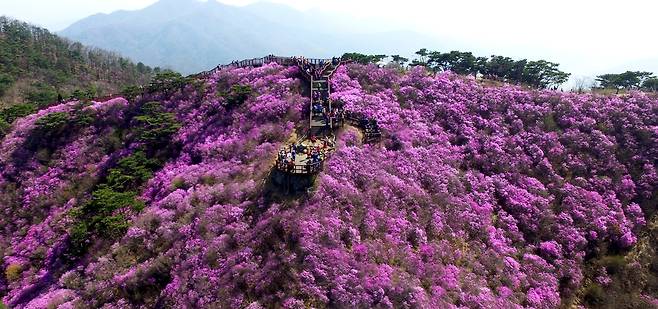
x=320, y=122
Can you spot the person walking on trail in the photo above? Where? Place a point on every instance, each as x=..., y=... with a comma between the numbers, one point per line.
x=327, y=123
x=282, y=154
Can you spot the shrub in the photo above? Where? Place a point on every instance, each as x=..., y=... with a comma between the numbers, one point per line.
x=155, y=126
x=83, y=118
x=49, y=132
x=613, y=263
x=167, y=82
x=113, y=226
x=79, y=235
x=131, y=171
x=5, y=82
x=41, y=94
x=594, y=295
x=97, y=217
x=13, y=272
x=145, y=287
x=53, y=124
x=105, y=200
x=82, y=95
x=178, y=183
x=131, y=92
x=4, y=128
x=237, y=95
x=549, y=123
x=17, y=111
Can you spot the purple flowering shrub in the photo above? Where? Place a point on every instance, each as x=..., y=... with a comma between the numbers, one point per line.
x=531, y=182
x=476, y=197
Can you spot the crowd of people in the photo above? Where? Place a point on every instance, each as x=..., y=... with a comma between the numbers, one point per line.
x=316, y=70
x=330, y=114
x=305, y=156
x=369, y=125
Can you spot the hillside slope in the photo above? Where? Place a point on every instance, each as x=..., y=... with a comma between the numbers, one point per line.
x=476, y=197
x=191, y=36
x=36, y=66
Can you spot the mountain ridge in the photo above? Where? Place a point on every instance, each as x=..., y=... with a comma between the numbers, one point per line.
x=37, y=66
x=195, y=36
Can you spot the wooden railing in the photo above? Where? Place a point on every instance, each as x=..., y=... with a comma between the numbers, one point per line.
x=257, y=62
x=370, y=134
x=308, y=167
x=304, y=169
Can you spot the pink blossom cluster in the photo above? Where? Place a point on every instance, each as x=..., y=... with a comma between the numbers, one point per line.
x=477, y=197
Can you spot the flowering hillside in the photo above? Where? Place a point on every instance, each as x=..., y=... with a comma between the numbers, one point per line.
x=477, y=197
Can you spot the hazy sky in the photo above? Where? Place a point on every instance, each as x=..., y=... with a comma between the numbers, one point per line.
x=586, y=37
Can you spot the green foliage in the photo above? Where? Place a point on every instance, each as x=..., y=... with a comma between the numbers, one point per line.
x=4, y=127
x=499, y=67
x=456, y=61
x=51, y=128
x=6, y=81
x=539, y=74
x=178, y=183
x=362, y=58
x=237, y=95
x=97, y=217
x=83, y=118
x=155, y=125
x=41, y=94
x=105, y=200
x=79, y=235
x=131, y=92
x=399, y=60
x=102, y=214
x=13, y=272
x=651, y=84
x=17, y=111
x=167, y=82
x=543, y=74
x=503, y=68
x=48, y=64
x=594, y=295
x=422, y=53
x=84, y=95
x=113, y=226
x=627, y=80
x=53, y=124
x=131, y=171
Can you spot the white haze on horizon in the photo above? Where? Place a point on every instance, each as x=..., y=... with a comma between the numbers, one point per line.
x=586, y=37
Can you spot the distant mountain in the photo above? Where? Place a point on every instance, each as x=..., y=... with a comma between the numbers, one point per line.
x=190, y=36
x=37, y=66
